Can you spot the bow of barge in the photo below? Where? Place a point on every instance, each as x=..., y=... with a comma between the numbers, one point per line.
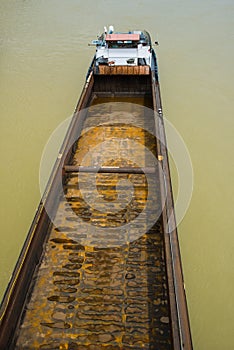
x=99, y=270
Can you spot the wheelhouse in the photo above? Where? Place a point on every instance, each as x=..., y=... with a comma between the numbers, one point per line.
x=132, y=48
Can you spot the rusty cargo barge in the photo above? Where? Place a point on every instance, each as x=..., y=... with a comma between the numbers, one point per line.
x=101, y=267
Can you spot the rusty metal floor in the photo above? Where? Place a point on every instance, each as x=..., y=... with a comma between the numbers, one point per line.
x=102, y=280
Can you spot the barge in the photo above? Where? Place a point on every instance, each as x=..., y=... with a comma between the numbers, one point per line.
x=101, y=267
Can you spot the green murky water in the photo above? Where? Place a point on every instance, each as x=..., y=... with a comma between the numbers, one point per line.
x=44, y=57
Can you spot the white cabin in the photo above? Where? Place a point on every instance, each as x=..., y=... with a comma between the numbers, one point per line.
x=123, y=49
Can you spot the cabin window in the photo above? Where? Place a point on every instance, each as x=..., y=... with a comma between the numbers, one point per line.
x=128, y=44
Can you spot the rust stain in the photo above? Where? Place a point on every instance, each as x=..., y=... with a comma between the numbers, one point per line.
x=90, y=297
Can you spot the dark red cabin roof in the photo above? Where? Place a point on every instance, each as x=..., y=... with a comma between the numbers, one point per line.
x=122, y=37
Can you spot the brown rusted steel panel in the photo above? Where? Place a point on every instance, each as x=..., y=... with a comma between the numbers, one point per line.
x=124, y=70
